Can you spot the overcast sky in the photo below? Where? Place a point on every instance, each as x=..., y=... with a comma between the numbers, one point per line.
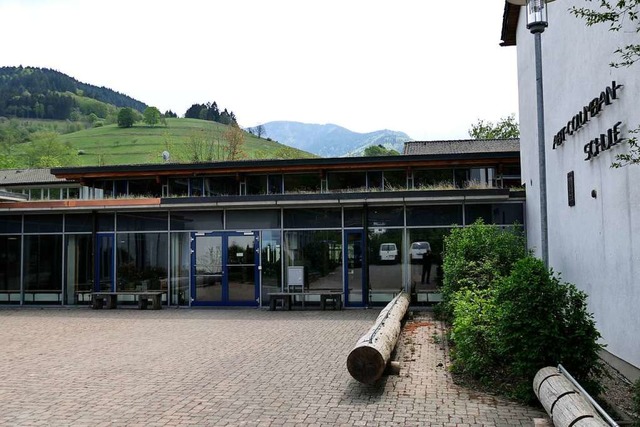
x=428, y=68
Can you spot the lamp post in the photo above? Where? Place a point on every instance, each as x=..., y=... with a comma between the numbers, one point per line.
x=536, y=23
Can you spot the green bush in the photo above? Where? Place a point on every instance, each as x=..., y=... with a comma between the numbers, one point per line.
x=472, y=331
x=543, y=322
x=476, y=256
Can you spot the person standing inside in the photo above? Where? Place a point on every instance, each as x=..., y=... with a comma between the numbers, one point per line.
x=427, y=260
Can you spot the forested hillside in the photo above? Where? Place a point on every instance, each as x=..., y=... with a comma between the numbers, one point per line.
x=41, y=93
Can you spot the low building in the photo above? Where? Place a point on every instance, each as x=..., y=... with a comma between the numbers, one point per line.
x=231, y=233
x=591, y=110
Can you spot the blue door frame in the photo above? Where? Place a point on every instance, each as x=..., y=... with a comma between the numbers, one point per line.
x=226, y=298
x=354, y=261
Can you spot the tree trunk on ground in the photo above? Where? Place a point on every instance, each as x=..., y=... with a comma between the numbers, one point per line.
x=372, y=352
x=563, y=402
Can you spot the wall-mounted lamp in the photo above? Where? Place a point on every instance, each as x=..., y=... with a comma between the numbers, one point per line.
x=537, y=19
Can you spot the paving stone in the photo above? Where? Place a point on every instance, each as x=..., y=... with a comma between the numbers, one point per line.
x=80, y=367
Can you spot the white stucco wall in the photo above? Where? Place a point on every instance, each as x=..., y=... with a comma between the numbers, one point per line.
x=596, y=243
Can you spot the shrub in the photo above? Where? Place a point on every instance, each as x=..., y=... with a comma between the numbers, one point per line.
x=542, y=322
x=473, y=332
x=476, y=256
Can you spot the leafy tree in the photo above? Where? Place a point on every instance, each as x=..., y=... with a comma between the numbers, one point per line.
x=151, y=116
x=235, y=140
x=194, y=111
x=506, y=127
x=615, y=14
x=8, y=162
x=45, y=150
x=379, y=150
x=126, y=118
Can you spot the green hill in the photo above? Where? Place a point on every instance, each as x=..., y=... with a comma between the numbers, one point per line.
x=111, y=145
x=41, y=93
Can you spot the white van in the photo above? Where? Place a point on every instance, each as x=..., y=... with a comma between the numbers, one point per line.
x=417, y=251
x=388, y=252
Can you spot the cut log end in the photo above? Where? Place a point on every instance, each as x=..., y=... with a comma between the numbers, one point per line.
x=365, y=364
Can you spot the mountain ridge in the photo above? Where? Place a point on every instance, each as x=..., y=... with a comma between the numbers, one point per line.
x=331, y=140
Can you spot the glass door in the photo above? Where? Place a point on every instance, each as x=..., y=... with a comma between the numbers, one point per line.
x=225, y=268
x=354, y=269
x=207, y=271
x=104, y=264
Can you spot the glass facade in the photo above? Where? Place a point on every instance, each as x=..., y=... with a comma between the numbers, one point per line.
x=10, y=250
x=141, y=261
x=42, y=273
x=79, y=268
x=235, y=256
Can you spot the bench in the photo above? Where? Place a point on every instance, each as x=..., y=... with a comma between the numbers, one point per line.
x=334, y=297
x=110, y=299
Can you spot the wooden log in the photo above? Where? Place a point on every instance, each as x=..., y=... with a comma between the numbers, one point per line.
x=393, y=367
x=563, y=402
x=369, y=357
x=573, y=408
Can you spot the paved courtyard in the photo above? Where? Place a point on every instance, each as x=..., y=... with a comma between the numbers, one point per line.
x=83, y=367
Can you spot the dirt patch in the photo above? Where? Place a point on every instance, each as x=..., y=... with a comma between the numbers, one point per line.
x=410, y=327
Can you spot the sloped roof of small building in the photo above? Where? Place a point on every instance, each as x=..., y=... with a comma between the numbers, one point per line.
x=9, y=177
x=463, y=146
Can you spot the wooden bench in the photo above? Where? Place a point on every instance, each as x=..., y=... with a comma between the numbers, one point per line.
x=110, y=299
x=334, y=297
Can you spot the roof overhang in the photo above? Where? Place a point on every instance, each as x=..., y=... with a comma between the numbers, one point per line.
x=408, y=197
x=283, y=166
x=509, y=24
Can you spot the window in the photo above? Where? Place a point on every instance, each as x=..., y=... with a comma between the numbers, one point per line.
x=312, y=218
x=434, y=215
x=302, y=183
x=346, y=181
x=142, y=221
x=196, y=220
x=252, y=219
x=498, y=213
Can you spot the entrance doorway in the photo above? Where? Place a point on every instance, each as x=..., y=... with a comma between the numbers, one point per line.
x=355, y=291
x=224, y=268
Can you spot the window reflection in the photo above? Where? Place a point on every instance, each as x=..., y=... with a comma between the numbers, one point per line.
x=141, y=262
x=385, y=264
x=320, y=252
x=10, y=269
x=43, y=269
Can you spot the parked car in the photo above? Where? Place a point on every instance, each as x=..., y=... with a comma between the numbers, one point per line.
x=417, y=251
x=388, y=252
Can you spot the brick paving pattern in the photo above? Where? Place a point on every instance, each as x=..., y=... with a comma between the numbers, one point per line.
x=80, y=367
